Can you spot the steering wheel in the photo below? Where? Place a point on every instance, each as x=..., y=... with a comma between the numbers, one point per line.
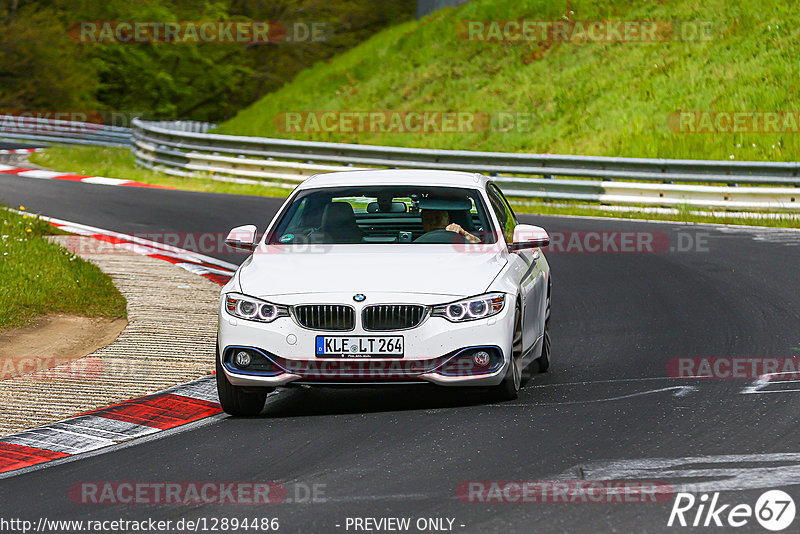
x=442, y=236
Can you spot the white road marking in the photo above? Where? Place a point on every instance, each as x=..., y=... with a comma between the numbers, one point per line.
x=104, y=181
x=36, y=173
x=609, y=381
x=764, y=381
x=730, y=472
x=680, y=391
x=782, y=236
x=392, y=497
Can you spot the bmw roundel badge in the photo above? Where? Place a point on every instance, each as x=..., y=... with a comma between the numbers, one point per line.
x=359, y=297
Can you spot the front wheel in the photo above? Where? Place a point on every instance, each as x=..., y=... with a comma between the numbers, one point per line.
x=508, y=389
x=543, y=361
x=237, y=400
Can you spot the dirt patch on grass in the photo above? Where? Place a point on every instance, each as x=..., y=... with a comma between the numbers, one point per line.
x=55, y=340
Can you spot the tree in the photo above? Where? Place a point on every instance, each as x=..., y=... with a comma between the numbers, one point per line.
x=40, y=67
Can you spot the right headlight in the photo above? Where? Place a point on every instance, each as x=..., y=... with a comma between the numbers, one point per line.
x=253, y=309
x=472, y=308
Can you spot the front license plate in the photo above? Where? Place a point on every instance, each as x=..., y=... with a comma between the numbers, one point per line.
x=359, y=347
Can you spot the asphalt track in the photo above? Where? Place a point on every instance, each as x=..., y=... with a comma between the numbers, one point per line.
x=618, y=319
x=4, y=145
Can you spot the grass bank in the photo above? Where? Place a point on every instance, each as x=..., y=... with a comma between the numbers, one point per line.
x=576, y=96
x=38, y=277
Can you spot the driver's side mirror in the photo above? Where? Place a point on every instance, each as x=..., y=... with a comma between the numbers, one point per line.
x=529, y=236
x=243, y=237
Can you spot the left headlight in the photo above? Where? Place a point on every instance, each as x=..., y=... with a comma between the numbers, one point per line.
x=472, y=308
x=253, y=309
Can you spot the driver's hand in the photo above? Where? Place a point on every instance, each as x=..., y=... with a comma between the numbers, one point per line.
x=453, y=227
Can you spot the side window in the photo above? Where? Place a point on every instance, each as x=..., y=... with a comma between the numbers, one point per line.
x=497, y=205
x=503, y=211
x=507, y=204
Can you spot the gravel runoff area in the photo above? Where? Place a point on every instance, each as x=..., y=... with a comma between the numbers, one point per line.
x=169, y=339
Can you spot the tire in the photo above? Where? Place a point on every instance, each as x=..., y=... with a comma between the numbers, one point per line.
x=508, y=389
x=543, y=361
x=237, y=400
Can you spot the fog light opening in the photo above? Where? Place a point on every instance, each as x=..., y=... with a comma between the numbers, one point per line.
x=481, y=358
x=242, y=359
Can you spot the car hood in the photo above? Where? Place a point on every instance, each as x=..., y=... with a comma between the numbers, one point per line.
x=429, y=269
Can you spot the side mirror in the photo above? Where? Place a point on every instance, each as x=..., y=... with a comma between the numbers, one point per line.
x=529, y=236
x=242, y=237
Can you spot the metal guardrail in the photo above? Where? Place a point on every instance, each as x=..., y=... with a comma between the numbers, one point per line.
x=668, y=170
x=185, y=148
x=179, y=149
x=59, y=131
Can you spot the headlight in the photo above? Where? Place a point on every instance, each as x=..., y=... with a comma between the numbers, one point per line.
x=253, y=309
x=472, y=308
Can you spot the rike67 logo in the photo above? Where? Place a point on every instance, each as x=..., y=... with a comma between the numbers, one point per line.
x=774, y=510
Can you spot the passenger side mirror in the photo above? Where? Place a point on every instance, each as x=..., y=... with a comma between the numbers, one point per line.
x=529, y=236
x=242, y=237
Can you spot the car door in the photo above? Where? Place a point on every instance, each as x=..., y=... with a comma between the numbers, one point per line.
x=526, y=268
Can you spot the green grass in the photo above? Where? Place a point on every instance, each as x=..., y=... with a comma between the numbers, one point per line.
x=683, y=214
x=611, y=99
x=38, y=277
x=115, y=162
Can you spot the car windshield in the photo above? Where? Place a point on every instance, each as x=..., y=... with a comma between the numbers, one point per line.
x=384, y=214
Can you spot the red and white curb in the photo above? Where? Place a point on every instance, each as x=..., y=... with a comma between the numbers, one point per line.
x=218, y=271
x=104, y=427
x=115, y=424
x=20, y=151
x=55, y=175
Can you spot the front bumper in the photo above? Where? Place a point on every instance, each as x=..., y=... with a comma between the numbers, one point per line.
x=437, y=351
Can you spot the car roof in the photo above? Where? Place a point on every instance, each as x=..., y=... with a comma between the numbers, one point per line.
x=396, y=177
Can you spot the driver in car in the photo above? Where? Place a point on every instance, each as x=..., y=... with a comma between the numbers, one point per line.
x=439, y=219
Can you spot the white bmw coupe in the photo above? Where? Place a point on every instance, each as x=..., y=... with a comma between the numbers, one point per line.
x=385, y=277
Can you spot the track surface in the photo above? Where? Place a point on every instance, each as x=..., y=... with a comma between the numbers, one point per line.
x=9, y=146
x=617, y=320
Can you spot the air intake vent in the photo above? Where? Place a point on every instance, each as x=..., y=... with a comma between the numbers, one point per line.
x=392, y=316
x=325, y=316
